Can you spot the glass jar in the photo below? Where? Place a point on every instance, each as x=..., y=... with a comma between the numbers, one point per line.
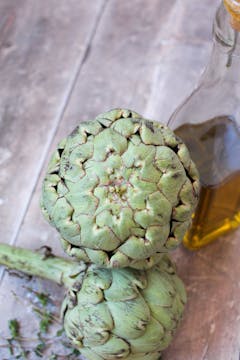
x=209, y=123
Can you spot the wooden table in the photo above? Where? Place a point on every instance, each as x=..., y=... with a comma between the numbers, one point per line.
x=66, y=61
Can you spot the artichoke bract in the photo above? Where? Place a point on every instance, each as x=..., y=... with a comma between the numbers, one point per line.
x=124, y=313
x=120, y=190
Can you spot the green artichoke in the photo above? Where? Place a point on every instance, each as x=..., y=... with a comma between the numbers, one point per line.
x=124, y=313
x=120, y=190
x=110, y=313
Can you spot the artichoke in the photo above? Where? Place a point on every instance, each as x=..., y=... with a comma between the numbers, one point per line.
x=110, y=313
x=124, y=313
x=120, y=190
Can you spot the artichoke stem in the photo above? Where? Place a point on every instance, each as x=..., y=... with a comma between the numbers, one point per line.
x=30, y=262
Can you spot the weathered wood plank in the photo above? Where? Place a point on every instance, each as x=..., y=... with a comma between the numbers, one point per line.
x=42, y=48
x=148, y=61
x=211, y=325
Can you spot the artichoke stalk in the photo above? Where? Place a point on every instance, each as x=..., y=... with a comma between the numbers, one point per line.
x=110, y=313
x=120, y=190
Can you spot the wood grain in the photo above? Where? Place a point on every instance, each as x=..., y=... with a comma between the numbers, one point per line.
x=211, y=326
x=42, y=48
x=146, y=56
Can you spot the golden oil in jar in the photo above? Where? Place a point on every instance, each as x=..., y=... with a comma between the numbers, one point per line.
x=215, y=148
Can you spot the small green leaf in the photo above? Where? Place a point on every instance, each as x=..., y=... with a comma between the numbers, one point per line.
x=45, y=322
x=10, y=346
x=14, y=327
x=43, y=298
x=53, y=357
x=46, y=319
x=60, y=332
x=75, y=352
x=39, y=349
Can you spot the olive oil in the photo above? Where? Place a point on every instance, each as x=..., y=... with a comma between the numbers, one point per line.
x=215, y=147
